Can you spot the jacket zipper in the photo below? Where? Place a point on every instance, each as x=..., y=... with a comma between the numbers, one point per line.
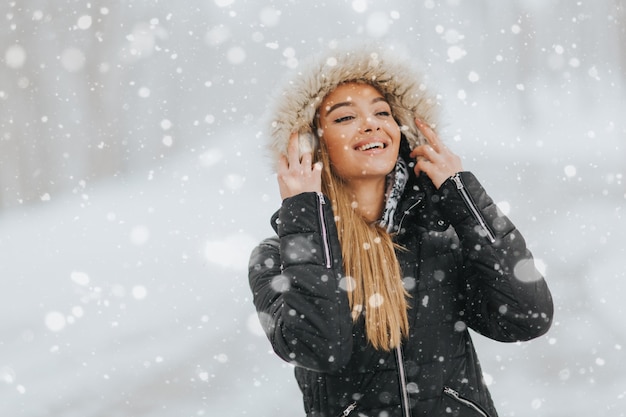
x=348, y=410
x=471, y=404
x=472, y=206
x=407, y=212
x=322, y=203
x=406, y=409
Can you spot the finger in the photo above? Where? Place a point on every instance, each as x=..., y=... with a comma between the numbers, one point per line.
x=430, y=168
x=422, y=165
x=307, y=160
x=424, y=151
x=428, y=133
x=282, y=165
x=424, y=127
x=293, y=150
x=417, y=169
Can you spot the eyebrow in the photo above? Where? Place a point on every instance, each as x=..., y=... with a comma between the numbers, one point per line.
x=350, y=103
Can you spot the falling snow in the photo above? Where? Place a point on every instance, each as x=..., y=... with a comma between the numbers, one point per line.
x=141, y=186
x=15, y=56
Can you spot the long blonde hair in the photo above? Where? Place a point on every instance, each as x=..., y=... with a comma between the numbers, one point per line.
x=370, y=264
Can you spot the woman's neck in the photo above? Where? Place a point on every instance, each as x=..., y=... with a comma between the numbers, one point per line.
x=369, y=197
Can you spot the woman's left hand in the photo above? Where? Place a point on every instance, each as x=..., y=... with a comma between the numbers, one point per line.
x=434, y=158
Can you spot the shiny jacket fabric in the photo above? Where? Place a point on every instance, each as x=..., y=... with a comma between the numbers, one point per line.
x=465, y=265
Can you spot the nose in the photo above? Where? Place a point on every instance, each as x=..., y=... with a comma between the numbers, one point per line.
x=370, y=124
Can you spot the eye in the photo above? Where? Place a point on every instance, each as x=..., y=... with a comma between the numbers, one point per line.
x=382, y=110
x=344, y=119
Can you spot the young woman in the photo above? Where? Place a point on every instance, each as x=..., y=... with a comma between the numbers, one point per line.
x=386, y=251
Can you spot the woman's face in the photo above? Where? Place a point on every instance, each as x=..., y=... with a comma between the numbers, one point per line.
x=359, y=131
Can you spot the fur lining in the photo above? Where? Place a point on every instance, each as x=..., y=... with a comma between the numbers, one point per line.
x=294, y=108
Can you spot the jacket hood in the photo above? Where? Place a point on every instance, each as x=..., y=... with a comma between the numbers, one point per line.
x=294, y=106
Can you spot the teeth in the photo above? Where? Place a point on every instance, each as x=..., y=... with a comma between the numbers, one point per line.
x=371, y=145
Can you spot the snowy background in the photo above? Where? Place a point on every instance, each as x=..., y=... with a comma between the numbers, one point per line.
x=133, y=185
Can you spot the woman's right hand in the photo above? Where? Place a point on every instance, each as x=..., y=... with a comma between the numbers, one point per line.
x=435, y=158
x=298, y=174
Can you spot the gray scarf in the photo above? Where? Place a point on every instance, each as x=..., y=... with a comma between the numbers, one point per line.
x=396, y=181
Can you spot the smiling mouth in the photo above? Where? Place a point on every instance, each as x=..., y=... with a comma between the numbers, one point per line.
x=371, y=145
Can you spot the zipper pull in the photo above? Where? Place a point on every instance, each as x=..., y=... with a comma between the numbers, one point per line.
x=321, y=197
x=475, y=406
x=457, y=180
x=348, y=410
x=450, y=391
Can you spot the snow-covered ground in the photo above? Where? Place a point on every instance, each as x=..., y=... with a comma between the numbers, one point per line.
x=130, y=297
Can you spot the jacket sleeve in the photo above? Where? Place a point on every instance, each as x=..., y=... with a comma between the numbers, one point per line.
x=295, y=281
x=507, y=298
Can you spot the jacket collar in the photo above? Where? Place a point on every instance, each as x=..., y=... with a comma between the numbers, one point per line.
x=274, y=221
x=420, y=201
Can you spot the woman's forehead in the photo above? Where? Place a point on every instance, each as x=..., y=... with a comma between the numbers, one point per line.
x=353, y=88
x=348, y=92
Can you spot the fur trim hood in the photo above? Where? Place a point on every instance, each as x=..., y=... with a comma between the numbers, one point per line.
x=293, y=108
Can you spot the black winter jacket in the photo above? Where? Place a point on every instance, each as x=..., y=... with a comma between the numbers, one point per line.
x=465, y=266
